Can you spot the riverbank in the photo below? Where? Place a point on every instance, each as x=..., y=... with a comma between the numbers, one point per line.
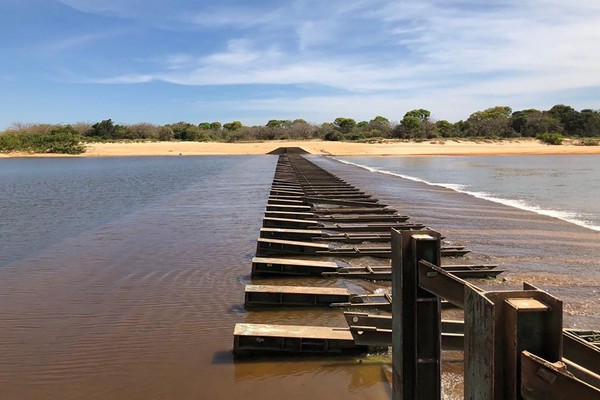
x=387, y=148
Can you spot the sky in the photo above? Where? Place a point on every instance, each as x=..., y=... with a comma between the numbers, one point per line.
x=163, y=61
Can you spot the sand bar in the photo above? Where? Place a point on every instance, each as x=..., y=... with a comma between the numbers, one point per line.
x=387, y=148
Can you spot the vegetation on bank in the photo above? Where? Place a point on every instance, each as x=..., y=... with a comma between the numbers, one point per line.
x=59, y=139
x=550, y=126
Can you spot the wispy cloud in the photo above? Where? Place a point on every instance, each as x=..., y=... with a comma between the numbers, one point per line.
x=77, y=41
x=463, y=52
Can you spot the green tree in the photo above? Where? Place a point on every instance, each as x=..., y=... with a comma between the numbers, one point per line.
x=63, y=139
x=446, y=129
x=279, y=123
x=344, y=125
x=416, y=124
x=106, y=129
x=518, y=119
x=491, y=122
x=540, y=122
x=381, y=124
x=591, y=122
x=215, y=126
x=420, y=114
x=571, y=119
x=165, y=133
x=232, y=126
x=185, y=131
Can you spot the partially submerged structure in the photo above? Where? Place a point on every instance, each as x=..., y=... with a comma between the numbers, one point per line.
x=513, y=341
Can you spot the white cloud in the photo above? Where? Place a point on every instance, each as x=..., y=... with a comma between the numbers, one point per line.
x=448, y=54
x=320, y=109
x=234, y=17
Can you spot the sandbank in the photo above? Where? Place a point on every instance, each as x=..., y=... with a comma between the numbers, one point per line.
x=386, y=148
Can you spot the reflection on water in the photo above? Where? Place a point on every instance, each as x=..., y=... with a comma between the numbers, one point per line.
x=120, y=291
x=123, y=278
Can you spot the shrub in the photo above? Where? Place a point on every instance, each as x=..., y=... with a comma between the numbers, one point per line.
x=552, y=138
x=333, y=136
x=60, y=139
x=355, y=136
x=588, y=142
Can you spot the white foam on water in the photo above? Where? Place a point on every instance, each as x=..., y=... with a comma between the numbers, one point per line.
x=571, y=217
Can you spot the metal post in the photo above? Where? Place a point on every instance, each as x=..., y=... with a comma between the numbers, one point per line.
x=416, y=337
x=499, y=326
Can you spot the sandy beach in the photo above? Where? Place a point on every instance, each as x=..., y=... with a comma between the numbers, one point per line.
x=387, y=148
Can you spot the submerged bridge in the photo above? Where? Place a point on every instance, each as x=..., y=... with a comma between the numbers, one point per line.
x=318, y=225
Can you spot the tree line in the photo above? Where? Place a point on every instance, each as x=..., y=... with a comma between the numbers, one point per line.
x=498, y=122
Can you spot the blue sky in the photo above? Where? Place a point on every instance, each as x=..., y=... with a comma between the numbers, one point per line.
x=64, y=61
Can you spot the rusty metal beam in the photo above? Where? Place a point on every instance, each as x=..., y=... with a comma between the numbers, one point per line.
x=542, y=380
x=442, y=283
x=416, y=336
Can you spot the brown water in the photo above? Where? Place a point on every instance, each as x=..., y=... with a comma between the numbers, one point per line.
x=559, y=257
x=127, y=278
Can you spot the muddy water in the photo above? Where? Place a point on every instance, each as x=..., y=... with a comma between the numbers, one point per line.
x=123, y=278
x=559, y=257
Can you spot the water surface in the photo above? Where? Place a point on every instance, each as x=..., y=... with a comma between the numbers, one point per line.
x=122, y=278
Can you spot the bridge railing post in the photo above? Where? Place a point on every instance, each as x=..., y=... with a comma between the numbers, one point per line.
x=499, y=326
x=416, y=318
